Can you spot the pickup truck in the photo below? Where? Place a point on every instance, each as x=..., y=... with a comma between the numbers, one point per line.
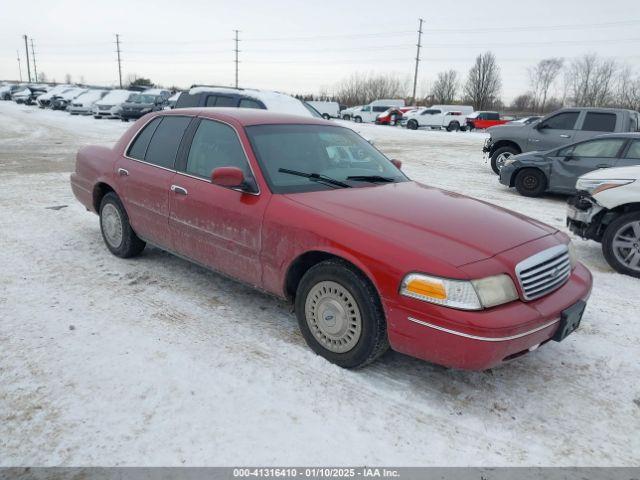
x=568, y=125
x=482, y=120
x=452, y=119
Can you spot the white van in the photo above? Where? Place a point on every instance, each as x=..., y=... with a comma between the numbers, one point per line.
x=326, y=109
x=368, y=113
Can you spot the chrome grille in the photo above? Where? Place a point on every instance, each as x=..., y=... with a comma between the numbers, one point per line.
x=544, y=272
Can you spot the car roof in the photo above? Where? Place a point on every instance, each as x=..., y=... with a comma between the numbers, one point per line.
x=248, y=116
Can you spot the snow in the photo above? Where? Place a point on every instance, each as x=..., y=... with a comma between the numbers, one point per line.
x=115, y=97
x=156, y=361
x=89, y=97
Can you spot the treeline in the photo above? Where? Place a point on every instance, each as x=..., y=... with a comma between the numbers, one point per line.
x=589, y=81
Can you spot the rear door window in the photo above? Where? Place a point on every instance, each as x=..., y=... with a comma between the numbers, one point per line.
x=211, y=101
x=138, y=148
x=599, y=122
x=166, y=139
x=227, y=102
x=562, y=121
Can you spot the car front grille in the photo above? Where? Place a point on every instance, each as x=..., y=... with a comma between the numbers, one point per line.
x=76, y=104
x=104, y=107
x=544, y=272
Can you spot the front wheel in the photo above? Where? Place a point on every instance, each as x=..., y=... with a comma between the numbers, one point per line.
x=340, y=315
x=621, y=244
x=357, y=119
x=346, y=117
x=412, y=124
x=117, y=233
x=453, y=127
x=500, y=157
x=531, y=182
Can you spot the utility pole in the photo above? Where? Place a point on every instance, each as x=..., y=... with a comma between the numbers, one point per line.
x=19, y=67
x=415, y=75
x=35, y=68
x=26, y=48
x=119, y=61
x=237, y=51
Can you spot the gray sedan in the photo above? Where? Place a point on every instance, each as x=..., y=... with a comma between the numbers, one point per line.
x=557, y=170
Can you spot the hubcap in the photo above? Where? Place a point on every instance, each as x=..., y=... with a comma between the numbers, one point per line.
x=333, y=316
x=111, y=225
x=626, y=245
x=530, y=182
x=502, y=159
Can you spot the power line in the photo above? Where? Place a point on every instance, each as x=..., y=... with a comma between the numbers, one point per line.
x=35, y=68
x=415, y=75
x=26, y=48
x=119, y=60
x=237, y=51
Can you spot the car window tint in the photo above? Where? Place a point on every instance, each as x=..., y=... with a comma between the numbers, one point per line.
x=634, y=150
x=211, y=100
x=227, y=102
x=138, y=148
x=186, y=100
x=562, y=121
x=599, y=122
x=166, y=140
x=248, y=103
x=380, y=109
x=215, y=145
x=493, y=116
x=603, y=148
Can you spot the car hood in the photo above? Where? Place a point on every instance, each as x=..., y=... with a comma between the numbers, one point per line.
x=505, y=128
x=452, y=227
x=619, y=173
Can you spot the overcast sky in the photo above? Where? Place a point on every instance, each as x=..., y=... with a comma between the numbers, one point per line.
x=302, y=46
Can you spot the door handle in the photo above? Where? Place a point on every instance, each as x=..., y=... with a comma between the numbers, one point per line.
x=123, y=173
x=533, y=140
x=178, y=189
x=564, y=136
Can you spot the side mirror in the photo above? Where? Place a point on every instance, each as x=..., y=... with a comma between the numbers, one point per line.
x=230, y=177
x=397, y=163
x=540, y=126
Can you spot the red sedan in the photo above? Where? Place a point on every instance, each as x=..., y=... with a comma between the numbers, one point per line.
x=309, y=211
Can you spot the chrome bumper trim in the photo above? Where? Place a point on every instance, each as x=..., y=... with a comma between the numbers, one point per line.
x=483, y=339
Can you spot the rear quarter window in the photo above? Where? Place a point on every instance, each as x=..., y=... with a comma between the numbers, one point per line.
x=138, y=148
x=249, y=103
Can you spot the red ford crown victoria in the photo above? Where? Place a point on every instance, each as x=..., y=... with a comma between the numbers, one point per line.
x=309, y=211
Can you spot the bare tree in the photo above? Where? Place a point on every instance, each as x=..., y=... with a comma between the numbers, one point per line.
x=360, y=89
x=67, y=78
x=591, y=81
x=627, y=89
x=42, y=77
x=445, y=88
x=523, y=103
x=541, y=78
x=483, y=82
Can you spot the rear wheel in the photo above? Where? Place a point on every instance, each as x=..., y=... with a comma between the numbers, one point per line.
x=412, y=124
x=346, y=117
x=531, y=182
x=500, y=156
x=621, y=244
x=357, y=119
x=340, y=315
x=117, y=233
x=453, y=127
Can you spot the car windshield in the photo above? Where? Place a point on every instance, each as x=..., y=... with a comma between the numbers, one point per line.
x=143, y=99
x=332, y=152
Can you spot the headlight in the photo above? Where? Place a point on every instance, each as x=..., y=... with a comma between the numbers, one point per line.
x=593, y=187
x=465, y=295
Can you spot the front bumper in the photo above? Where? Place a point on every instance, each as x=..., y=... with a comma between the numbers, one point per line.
x=506, y=174
x=584, y=216
x=486, y=148
x=482, y=339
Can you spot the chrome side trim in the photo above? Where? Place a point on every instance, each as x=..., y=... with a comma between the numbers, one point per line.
x=483, y=339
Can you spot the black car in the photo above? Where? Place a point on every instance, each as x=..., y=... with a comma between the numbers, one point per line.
x=142, y=104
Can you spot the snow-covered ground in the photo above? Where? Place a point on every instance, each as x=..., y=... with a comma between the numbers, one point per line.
x=155, y=361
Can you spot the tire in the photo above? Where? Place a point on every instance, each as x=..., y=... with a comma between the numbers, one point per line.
x=346, y=117
x=326, y=116
x=453, y=127
x=97, y=117
x=357, y=119
x=117, y=233
x=623, y=254
x=470, y=127
x=412, y=124
x=500, y=156
x=329, y=289
x=531, y=182
x=124, y=119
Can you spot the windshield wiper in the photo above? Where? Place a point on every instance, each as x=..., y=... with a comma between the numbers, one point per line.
x=315, y=177
x=371, y=178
